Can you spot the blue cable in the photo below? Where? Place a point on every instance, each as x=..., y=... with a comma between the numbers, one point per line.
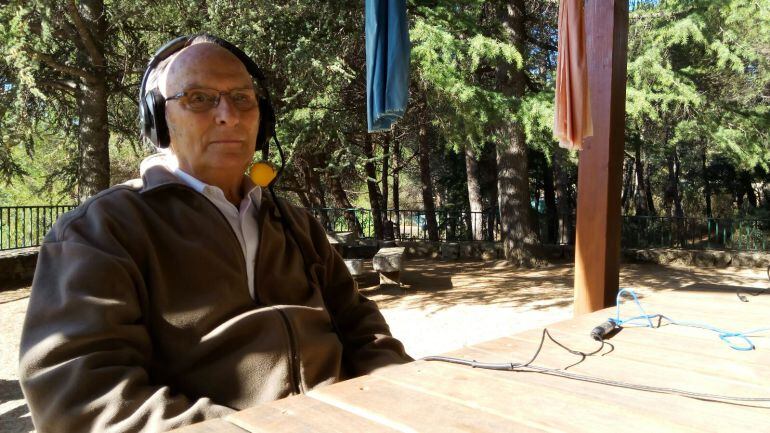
x=728, y=337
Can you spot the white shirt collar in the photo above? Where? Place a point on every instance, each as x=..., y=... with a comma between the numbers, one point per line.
x=167, y=159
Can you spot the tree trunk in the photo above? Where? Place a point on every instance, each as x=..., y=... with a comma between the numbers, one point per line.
x=648, y=190
x=678, y=209
x=744, y=188
x=474, y=193
x=493, y=212
x=706, y=184
x=342, y=201
x=629, y=185
x=94, y=173
x=427, y=183
x=563, y=196
x=513, y=176
x=396, y=170
x=673, y=198
x=317, y=195
x=549, y=195
x=387, y=226
x=375, y=198
x=752, y=194
x=640, y=198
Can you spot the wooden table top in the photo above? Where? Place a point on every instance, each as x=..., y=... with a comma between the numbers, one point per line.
x=427, y=396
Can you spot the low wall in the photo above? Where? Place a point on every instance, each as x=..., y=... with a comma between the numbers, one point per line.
x=17, y=266
x=662, y=256
x=699, y=258
x=474, y=250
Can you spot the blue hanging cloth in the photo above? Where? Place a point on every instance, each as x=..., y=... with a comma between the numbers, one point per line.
x=387, y=62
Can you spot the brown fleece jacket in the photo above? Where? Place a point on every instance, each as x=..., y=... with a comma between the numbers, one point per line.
x=140, y=317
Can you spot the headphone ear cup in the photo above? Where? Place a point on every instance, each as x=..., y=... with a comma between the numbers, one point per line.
x=159, y=118
x=147, y=119
x=154, y=118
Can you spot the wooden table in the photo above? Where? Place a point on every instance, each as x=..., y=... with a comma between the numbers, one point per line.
x=437, y=397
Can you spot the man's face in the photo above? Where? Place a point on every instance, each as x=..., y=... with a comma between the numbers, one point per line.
x=222, y=138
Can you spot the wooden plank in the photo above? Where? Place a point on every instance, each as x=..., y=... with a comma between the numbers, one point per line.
x=667, y=341
x=729, y=318
x=408, y=410
x=303, y=414
x=685, y=295
x=626, y=370
x=639, y=355
x=597, y=245
x=210, y=426
x=556, y=411
x=700, y=415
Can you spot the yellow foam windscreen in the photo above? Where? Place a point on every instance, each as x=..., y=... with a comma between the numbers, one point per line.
x=262, y=173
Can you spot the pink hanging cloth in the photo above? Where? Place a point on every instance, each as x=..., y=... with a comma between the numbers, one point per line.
x=572, y=120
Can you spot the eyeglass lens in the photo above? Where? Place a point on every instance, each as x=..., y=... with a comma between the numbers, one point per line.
x=206, y=99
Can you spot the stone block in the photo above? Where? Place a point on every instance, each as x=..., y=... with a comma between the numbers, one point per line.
x=469, y=250
x=355, y=266
x=450, y=251
x=389, y=259
x=347, y=238
x=723, y=259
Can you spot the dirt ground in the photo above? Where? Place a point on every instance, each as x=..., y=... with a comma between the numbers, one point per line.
x=442, y=306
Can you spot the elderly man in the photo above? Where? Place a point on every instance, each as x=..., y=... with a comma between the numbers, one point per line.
x=189, y=293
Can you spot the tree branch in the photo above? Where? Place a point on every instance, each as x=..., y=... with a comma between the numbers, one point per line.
x=85, y=35
x=295, y=189
x=65, y=86
x=54, y=64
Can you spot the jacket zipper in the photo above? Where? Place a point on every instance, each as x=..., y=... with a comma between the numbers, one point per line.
x=293, y=353
x=296, y=382
x=294, y=376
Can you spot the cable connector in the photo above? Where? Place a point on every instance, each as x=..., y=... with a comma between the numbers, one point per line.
x=600, y=332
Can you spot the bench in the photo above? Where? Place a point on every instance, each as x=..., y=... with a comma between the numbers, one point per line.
x=388, y=262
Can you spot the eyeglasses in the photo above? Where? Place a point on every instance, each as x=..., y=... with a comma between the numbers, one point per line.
x=200, y=100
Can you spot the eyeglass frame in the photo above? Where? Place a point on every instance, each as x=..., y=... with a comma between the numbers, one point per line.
x=184, y=93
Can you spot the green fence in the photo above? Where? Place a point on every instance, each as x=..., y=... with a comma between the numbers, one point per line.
x=695, y=233
x=25, y=226
x=636, y=231
x=451, y=225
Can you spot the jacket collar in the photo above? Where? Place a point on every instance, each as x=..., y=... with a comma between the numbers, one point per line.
x=155, y=174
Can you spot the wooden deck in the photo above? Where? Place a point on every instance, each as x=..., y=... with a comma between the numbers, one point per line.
x=437, y=397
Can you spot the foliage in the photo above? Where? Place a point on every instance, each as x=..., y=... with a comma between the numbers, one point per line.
x=698, y=84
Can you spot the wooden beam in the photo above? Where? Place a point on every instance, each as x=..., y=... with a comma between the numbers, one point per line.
x=597, y=247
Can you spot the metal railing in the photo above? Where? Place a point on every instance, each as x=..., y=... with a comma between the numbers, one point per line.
x=696, y=233
x=451, y=225
x=26, y=226
x=636, y=231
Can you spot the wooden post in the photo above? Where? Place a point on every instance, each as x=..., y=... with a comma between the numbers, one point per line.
x=597, y=245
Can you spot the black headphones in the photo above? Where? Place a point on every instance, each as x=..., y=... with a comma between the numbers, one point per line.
x=152, y=111
x=152, y=104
